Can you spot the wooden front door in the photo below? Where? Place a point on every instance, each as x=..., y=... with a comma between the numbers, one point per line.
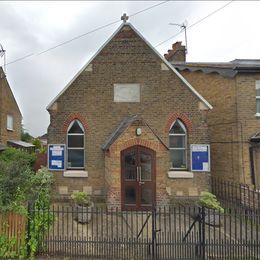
x=138, y=178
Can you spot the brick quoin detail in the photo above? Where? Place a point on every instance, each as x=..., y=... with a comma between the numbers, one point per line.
x=183, y=117
x=72, y=117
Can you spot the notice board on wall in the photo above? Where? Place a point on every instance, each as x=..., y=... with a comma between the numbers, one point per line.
x=200, y=157
x=56, y=157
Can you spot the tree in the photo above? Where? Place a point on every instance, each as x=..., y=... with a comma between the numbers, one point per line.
x=25, y=136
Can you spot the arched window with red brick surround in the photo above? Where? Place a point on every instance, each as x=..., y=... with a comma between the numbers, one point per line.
x=178, y=145
x=75, y=145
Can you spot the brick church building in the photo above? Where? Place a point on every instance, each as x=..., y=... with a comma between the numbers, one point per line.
x=128, y=121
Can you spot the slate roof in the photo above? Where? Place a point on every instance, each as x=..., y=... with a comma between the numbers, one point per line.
x=118, y=131
x=126, y=122
x=226, y=69
x=20, y=143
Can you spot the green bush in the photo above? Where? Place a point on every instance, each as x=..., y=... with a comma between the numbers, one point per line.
x=41, y=184
x=209, y=200
x=15, y=184
x=81, y=198
x=13, y=155
x=18, y=185
x=37, y=143
x=41, y=189
x=6, y=247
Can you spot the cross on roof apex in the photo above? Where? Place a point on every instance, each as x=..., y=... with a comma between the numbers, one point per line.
x=124, y=17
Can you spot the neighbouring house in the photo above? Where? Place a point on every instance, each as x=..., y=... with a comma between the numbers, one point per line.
x=10, y=114
x=128, y=119
x=233, y=89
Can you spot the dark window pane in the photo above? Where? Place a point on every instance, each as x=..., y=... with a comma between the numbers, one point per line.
x=75, y=128
x=178, y=158
x=130, y=166
x=75, y=140
x=258, y=105
x=146, y=196
x=130, y=195
x=177, y=141
x=258, y=91
x=177, y=128
x=146, y=166
x=75, y=158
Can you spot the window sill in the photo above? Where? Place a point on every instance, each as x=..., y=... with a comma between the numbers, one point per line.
x=75, y=174
x=180, y=175
x=257, y=115
x=11, y=130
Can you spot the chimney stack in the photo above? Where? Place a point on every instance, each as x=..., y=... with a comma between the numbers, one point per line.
x=177, y=53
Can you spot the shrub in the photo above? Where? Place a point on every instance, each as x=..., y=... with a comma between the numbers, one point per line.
x=15, y=184
x=6, y=247
x=37, y=144
x=18, y=184
x=13, y=155
x=41, y=184
x=81, y=198
x=209, y=200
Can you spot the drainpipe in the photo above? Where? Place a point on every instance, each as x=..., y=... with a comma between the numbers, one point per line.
x=241, y=135
x=251, y=150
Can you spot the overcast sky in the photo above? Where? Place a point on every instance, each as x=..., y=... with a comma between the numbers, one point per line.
x=28, y=28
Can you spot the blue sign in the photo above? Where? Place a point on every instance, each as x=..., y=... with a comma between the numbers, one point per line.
x=200, y=157
x=56, y=157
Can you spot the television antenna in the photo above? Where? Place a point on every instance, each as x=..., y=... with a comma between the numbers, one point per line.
x=2, y=54
x=183, y=26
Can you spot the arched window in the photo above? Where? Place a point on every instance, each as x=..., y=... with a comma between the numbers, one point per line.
x=75, y=145
x=178, y=145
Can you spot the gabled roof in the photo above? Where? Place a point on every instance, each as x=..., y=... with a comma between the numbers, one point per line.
x=118, y=131
x=126, y=122
x=170, y=66
x=226, y=69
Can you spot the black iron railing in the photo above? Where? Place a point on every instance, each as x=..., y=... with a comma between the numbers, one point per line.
x=162, y=233
x=236, y=195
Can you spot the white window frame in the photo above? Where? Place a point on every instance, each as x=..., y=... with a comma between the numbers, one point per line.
x=257, y=86
x=10, y=122
x=185, y=148
x=75, y=148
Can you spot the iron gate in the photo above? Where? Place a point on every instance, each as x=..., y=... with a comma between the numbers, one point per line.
x=163, y=233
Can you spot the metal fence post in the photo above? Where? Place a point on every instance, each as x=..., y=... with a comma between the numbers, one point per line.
x=154, y=249
x=28, y=229
x=203, y=238
x=200, y=251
